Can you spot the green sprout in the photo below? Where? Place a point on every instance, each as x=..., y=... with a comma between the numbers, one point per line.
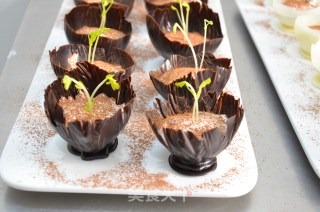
x=196, y=96
x=109, y=80
x=183, y=27
x=93, y=39
x=206, y=24
x=184, y=21
x=95, y=35
x=176, y=25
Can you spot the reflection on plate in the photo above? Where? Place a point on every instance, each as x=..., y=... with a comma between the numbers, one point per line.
x=35, y=157
x=290, y=73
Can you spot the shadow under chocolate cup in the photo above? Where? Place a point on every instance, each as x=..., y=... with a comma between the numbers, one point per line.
x=90, y=139
x=152, y=5
x=217, y=69
x=126, y=5
x=192, y=154
x=162, y=21
x=90, y=16
x=61, y=65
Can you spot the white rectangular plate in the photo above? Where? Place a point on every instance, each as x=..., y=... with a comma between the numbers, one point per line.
x=290, y=73
x=35, y=158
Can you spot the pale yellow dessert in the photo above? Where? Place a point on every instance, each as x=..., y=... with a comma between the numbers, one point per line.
x=307, y=32
x=315, y=58
x=288, y=10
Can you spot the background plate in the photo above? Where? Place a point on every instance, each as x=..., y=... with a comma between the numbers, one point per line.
x=35, y=158
x=290, y=73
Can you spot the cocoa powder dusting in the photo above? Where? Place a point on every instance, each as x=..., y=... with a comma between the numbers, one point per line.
x=51, y=169
x=300, y=77
x=111, y=33
x=313, y=106
x=163, y=2
x=266, y=25
x=194, y=37
x=184, y=122
x=74, y=109
x=35, y=126
x=299, y=4
x=259, y=2
x=315, y=27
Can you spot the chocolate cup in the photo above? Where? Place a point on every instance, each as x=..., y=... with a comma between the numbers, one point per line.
x=59, y=58
x=163, y=20
x=192, y=155
x=88, y=136
x=192, y=169
x=126, y=5
x=151, y=7
x=218, y=69
x=104, y=153
x=87, y=15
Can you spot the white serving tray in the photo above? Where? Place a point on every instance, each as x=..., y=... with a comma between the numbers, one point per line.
x=35, y=158
x=290, y=73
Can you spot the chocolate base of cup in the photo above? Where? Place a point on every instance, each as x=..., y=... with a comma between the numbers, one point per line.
x=88, y=156
x=198, y=169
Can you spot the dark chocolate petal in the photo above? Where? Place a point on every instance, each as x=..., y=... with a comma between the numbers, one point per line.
x=59, y=58
x=86, y=15
x=163, y=20
x=191, y=151
x=151, y=6
x=126, y=5
x=218, y=69
x=86, y=136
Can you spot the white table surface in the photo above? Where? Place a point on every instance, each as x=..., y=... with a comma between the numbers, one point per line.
x=286, y=180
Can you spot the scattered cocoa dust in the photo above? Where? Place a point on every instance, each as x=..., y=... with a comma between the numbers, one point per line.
x=300, y=77
x=141, y=50
x=51, y=169
x=36, y=130
x=266, y=25
x=313, y=106
x=34, y=123
x=281, y=50
x=259, y=2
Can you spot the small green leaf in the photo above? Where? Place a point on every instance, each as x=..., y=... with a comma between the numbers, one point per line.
x=93, y=36
x=174, y=8
x=175, y=26
x=111, y=81
x=180, y=84
x=202, y=85
x=105, y=3
x=186, y=5
x=188, y=86
x=207, y=23
x=79, y=85
x=67, y=81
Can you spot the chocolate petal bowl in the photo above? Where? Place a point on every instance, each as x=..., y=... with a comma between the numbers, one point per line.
x=90, y=139
x=127, y=5
x=86, y=15
x=218, y=69
x=163, y=20
x=60, y=65
x=152, y=6
x=191, y=154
